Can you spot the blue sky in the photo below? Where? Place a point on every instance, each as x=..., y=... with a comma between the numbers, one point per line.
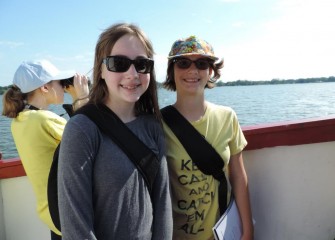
x=258, y=39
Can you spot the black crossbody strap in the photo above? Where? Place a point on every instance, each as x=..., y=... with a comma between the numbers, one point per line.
x=109, y=123
x=200, y=150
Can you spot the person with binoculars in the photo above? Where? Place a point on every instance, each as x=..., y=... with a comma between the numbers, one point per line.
x=36, y=130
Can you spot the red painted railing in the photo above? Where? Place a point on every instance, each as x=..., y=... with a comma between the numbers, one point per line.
x=307, y=131
x=11, y=168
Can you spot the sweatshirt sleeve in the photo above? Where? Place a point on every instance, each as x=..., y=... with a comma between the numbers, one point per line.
x=77, y=151
x=162, y=226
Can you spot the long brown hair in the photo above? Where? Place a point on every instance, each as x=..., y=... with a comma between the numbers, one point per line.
x=13, y=102
x=148, y=102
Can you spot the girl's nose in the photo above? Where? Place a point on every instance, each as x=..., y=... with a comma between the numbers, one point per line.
x=193, y=67
x=132, y=71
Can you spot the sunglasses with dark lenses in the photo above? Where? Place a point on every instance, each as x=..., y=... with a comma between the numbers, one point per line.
x=184, y=63
x=122, y=64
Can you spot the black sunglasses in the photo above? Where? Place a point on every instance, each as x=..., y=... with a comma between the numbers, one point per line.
x=122, y=64
x=184, y=63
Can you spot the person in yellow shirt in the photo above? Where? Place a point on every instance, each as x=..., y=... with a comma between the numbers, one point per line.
x=193, y=67
x=36, y=130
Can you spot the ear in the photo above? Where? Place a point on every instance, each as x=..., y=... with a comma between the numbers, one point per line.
x=44, y=88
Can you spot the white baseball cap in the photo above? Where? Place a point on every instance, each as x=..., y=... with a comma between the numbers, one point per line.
x=33, y=74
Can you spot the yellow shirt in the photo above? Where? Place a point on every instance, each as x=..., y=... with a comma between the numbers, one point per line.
x=36, y=135
x=194, y=194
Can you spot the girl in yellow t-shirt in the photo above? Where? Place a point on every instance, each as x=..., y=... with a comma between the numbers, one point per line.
x=192, y=67
x=37, y=131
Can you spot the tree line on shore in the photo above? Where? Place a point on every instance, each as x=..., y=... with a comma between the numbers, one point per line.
x=273, y=81
x=249, y=83
x=277, y=81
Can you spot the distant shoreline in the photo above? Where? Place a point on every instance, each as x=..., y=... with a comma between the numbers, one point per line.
x=249, y=83
x=272, y=82
x=276, y=81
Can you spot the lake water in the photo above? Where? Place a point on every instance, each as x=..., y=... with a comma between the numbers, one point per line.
x=253, y=104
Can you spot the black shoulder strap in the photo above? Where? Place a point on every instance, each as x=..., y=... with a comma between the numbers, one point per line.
x=53, y=191
x=108, y=122
x=199, y=149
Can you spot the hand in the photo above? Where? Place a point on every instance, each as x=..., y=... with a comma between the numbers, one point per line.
x=79, y=88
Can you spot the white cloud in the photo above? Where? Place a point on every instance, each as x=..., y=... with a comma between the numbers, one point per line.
x=229, y=1
x=238, y=24
x=299, y=44
x=160, y=67
x=11, y=44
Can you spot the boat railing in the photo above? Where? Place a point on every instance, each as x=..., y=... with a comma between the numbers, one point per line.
x=290, y=168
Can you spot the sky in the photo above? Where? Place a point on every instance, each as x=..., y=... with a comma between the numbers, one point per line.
x=258, y=39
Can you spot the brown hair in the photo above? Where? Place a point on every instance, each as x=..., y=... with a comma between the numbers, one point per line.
x=13, y=102
x=170, y=83
x=148, y=102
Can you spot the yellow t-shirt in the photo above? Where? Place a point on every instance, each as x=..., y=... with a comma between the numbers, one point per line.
x=194, y=194
x=36, y=135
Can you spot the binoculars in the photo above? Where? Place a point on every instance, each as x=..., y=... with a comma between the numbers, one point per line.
x=69, y=81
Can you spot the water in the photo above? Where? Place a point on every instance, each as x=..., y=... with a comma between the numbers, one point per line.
x=253, y=104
